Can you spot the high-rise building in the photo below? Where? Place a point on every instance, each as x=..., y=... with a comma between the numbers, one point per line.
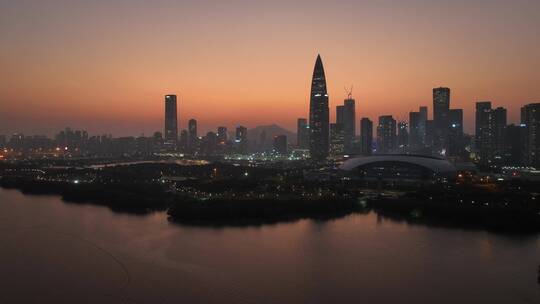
x=366, y=136
x=414, y=131
x=515, y=141
x=193, y=142
x=209, y=144
x=280, y=144
x=429, y=132
x=417, y=129
x=3, y=141
x=318, y=114
x=337, y=139
x=490, y=139
x=171, y=120
x=530, y=118
x=441, y=111
x=302, y=134
x=483, y=137
x=222, y=135
x=422, y=121
x=456, y=145
x=349, y=123
x=402, y=137
x=498, y=120
x=241, y=140
x=386, y=134
x=340, y=109
x=184, y=140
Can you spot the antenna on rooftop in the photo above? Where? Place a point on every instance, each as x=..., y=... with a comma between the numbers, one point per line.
x=348, y=91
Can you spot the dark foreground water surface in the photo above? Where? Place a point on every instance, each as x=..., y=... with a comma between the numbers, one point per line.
x=56, y=252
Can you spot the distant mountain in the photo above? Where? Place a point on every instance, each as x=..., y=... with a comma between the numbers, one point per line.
x=255, y=137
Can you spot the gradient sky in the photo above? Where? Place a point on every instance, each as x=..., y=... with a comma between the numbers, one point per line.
x=104, y=66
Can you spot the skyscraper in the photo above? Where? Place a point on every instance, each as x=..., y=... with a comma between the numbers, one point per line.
x=490, y=139
x=366, y=136
x=337, y=139
x=498, y=121
x=302, y=134
x=530, y=117
x=222, y=135
x=193, y=139
x=184, y=140
x=441, y=110
x=482, y=134
x=516, y=145
x=422, y=128
x=456, y=144
x=402, y=137
x=417, y=130
x=386, y=134
x=340, y=109
x=171, y=120
x=414, y=131
x=241, y=140
x=318, y=114
x=349, y=123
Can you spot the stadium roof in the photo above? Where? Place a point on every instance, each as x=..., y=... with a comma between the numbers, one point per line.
x=437, y=165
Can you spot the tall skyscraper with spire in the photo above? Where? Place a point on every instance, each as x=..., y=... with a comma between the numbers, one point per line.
x=319, y=119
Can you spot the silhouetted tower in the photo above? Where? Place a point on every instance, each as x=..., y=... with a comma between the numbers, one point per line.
x=171, y=120
x=318, y=114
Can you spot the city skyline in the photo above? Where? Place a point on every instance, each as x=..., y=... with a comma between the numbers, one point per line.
x=65, y=73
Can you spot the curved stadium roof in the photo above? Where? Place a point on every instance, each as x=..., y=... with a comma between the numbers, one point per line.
x=437, y=165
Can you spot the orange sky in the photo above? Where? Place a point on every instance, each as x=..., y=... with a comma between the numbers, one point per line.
x=105, y=66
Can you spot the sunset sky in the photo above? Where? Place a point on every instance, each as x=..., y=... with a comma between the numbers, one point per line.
x=104, y=66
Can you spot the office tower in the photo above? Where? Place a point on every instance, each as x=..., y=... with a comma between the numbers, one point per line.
x=530, y=117
x=366, y=136
x=302, y=134
x=386, y=134
x=490, y=125
x=422, y=119
x=222, y=135
x=417, y=130
x=209, y=144
x=515, y=142
x=456, y=145
x=429, y=133
x=339, y=114
x=280, y=144
x=241, y=140
x=441, y=109
x=318, y=114
x=414, y=131
x=184, y=141
x=337, y=139
x=2, y=141
x=349, y=123
x=498, y=120
x=171, y=120
x=402, y=137
x=193, y=141
x=482, y=130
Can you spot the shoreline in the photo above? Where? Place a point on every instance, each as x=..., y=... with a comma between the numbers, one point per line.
x=138, y=198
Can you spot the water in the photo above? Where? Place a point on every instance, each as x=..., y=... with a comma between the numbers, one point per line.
x=57, y=252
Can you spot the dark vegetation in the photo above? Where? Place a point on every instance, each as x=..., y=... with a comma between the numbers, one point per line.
x=122, y=196
x=266, y=195
x=258, y=211
x=502, y=211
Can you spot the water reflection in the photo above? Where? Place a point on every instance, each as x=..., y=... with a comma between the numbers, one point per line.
x=50, y=252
